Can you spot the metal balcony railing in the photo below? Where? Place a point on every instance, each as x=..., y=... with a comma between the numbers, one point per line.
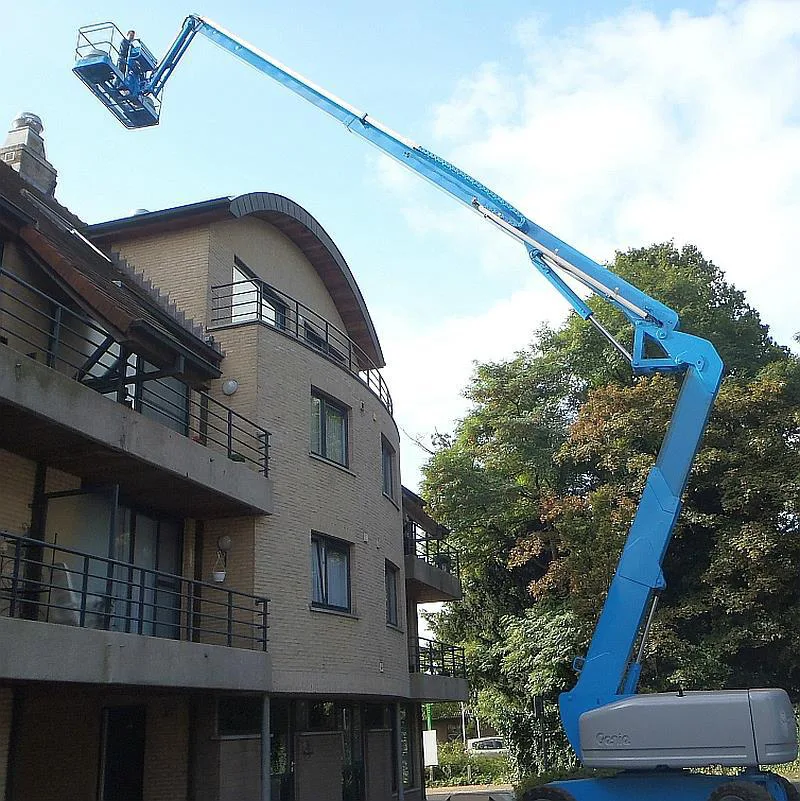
x=41, y=581
x=436, y=658
x=434, y=550
x=254, y=300
x=67, y=341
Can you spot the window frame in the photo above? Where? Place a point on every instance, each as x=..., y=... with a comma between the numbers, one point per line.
x=327, y=402
x=264, y=296
x=391, y=576
x=337, y=546
x=388, y=455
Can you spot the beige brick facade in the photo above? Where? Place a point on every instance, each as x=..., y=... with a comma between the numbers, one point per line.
x=348, y=668
x=16, y=492
x=312, y=651
x=60, y=734
x=167, y=750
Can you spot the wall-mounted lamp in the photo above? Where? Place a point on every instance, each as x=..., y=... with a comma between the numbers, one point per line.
x=220, y=570
x=229, y=386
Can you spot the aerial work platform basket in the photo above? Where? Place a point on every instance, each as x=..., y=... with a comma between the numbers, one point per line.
x=116, y=69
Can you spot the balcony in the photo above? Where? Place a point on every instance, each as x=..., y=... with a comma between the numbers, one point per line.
x=74, y=616
x=432, y=566
x=172, y=447
x=438, y=671
x=253, y=300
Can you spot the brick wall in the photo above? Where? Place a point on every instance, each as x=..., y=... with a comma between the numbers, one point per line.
x=314, y=651
x=6, y=703
x=58, y=738
x=59, y=743
x=205, y=756
x=177, y=264
x=17, y=476
x=16, y=492
x=167, y=750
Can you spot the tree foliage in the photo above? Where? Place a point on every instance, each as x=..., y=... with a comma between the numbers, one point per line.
x=541, y=480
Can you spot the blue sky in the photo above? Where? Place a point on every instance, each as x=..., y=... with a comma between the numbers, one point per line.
x=613, y=124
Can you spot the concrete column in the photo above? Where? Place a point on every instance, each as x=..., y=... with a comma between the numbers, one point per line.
x=266, y=755
x=401, y=793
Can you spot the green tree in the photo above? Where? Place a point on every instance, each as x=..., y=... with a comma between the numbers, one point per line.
x=541, y=479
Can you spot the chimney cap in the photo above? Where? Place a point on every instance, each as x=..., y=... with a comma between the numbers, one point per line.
x=27, y=119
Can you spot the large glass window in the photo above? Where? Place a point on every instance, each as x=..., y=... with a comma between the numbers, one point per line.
x=391, y=594
x=387, y=467
x=139, y=591
x=252, y=300
x=407, y=750
x=165, y=399
x=406, y=738
x=320, y=342
x=281, y=732
x=330, y=573
x=328, y=428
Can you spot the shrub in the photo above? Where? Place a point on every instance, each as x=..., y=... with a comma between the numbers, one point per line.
x=458, y=768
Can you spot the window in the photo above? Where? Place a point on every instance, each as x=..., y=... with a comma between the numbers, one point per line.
x=321, y=343
x=387, y=467
x=391, y=594
x=330, y=573
x=165, y=400
x=322, y=716
x=328, y=429
x=313, y=337
x=406, y=738
x=251, y=299
x=239, y=716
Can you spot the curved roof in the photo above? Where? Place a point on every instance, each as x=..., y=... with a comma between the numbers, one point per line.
x=295, y=223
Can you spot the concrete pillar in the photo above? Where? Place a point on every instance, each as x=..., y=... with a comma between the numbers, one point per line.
x=266, y=755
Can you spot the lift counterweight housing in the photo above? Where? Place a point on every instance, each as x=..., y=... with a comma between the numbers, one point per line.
x=606, y=721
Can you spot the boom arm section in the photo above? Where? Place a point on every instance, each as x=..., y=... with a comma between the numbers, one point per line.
x=606, y=674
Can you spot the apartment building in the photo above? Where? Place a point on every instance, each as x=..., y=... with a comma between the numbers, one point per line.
x=209, y=569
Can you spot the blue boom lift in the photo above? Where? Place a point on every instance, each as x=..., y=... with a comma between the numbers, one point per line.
x=653, y=738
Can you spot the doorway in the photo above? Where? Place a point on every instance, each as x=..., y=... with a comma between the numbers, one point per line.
x=122, y=755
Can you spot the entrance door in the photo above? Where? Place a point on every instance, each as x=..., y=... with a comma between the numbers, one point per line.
x=122, y=770
x=157, y=547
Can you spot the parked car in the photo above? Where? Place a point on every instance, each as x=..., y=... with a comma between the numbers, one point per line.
x=486, y=746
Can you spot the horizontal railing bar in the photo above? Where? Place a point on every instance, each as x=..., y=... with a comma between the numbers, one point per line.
x=106, y=560
x=135, y=599
x=437, y=658
x=255, y=295
x=67, y=339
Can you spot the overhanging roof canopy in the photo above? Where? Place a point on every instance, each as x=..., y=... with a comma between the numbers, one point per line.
x=108, y=290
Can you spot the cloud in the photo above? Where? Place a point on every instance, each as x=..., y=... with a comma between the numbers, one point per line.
x=621, y=133
x=430, y=367
x=634, y=130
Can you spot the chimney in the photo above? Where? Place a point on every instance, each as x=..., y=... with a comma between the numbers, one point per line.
x=24, y=151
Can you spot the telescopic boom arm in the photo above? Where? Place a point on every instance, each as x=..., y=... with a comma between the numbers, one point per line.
x=131, y=88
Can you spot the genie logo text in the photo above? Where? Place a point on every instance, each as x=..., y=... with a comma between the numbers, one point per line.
x=612, y=740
